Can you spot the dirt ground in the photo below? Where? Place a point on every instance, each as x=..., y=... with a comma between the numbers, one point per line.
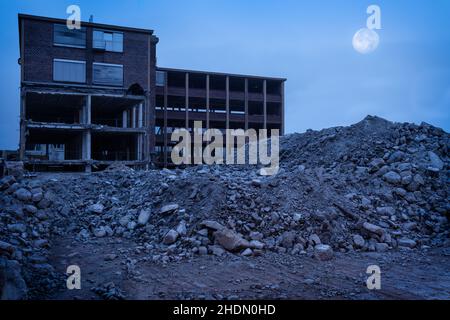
x=418, y=274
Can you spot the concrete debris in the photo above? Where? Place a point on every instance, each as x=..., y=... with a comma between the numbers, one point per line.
x=372, y=186
x=323, y=252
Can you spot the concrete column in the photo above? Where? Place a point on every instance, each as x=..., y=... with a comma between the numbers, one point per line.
x=165, y=124
x=140, y=114
x=139, y=147
x=207, y=101
x=227, y=90
x=87, y=156
x=125, y=119
x=265, y=103
x=187, y=100
x=87, y=110
x=246, y=103
x=133, y=117
x=86, y=147
x=22, y=145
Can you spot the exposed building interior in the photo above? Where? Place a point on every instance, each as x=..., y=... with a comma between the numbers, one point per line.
x=82, y=131
x=220, y=101
x=93, y=96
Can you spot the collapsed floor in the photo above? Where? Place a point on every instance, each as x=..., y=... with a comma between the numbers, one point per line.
x=376, y=191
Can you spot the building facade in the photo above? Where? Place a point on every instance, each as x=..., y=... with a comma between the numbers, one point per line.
x=94, y=96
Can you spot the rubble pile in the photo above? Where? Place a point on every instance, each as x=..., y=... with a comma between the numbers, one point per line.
x=372, y=186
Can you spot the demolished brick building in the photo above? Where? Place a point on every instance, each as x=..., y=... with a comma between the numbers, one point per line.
x=94, y=96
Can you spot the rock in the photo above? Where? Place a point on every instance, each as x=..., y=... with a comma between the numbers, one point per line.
x=110, y=257
x=297, y=217
x=418, y=179
x=323, y=252
x=247, y=252
x=203, y=232
x=373, y=228
x=288, y=239
x=41, y=243
x=144, y=216
x=30, y=209
x=409, y=226
x=358, y=241
x=100, y=232
x=392, y=177
x=6, y=182
x=256, y=235
x=12, y=285
x=404, y=242
x=96, y=208
x=315, y=240
x=217, y=250
x=230, y=240
x=170, y=237
x=23, y=195
x=124, y=220
x=6, y=248
x=257, y=244
x=213, y=225
x=17, y=228
x=376, y=165
x=406, y=166
x=131, y=225
x=37, y=195
x=256, y=182
x=435, y=161
x=381, y=247
x=181, y=228
x=396, y=157
x=202, y=250
x=400, y=192
x=168, y=209
x=15, y=169
x=386, y=211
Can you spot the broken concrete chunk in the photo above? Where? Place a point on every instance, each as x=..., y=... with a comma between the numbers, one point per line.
x=213, y=225
x=404, y=242
x=230, y=240
x=435, y=161
x=181, y=228
x=23, y=195
x=373, y=228
x=144, y=216
x=168, y=209
x=358, y=241
x=392, y=177
x=323, y=252
x=247, y=252
x=96, y=208
x=170, y=237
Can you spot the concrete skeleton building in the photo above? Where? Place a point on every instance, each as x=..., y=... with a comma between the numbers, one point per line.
x=94, y=96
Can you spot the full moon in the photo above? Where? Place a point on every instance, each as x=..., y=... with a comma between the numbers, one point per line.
x=365, y=41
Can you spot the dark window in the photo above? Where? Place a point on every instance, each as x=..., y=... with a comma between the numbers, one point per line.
x=108, y=40
x=63, y=36
x=160, y=78
x=69, y=71
x=108, y=74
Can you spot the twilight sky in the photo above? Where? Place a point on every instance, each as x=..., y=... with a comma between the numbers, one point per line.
x=309, y=42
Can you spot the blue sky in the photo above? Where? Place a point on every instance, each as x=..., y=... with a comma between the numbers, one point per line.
x=309, y=42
